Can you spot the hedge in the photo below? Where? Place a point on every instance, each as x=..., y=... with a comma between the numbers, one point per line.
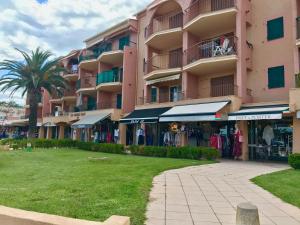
x=186, y=152
x=294, y=161
x=54, y=143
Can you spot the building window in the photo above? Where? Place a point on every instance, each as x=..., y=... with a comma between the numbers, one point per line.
x=276, y=77
x=153, y=94
x=275, y=28
x=144, y=65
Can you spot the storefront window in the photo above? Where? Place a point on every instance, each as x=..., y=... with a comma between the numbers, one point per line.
x=270, y=139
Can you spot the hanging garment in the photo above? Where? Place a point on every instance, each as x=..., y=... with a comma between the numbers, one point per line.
x=237, y=145
x=108, y=137
x=167, y=138
x=268, y=134
x=116, y=135
x=216, y=142
x=177, y=139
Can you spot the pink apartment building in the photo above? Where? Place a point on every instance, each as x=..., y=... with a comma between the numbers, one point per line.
x=188, y=72
x=102, y=80
x=218, y=73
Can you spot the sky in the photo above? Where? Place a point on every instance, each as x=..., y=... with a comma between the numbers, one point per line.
x=57, y=25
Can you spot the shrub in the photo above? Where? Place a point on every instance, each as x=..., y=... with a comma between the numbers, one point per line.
x=186, y=152
x=294, y=161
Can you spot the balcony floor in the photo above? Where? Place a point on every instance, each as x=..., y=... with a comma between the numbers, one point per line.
x=212, y=65
x=71, y=76
x=112, y=57
x=110, y=87
x=166, y=39
x=89, y=64
x=212, y=23
x=162, y=73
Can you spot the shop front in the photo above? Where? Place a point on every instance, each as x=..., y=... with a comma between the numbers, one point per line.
x=142, y=127
x=99, y=128
x=203, y=124
x=269, y=129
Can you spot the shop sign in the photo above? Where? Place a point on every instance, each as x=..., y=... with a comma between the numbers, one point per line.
x=220, y=116
x=257, y=117
x=136, y=121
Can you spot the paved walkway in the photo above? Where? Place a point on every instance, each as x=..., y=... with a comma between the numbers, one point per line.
x=209, y=194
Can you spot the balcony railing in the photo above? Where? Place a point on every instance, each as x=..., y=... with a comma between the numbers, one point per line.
x=298, y=27
x=106, y=47
x=162, y=98
x=165, y=22
x=215, y=47
x=223, y=90
x=110, y=76
x=206, y=6
x=73, y=69
x=165, y=61
x=86, y=82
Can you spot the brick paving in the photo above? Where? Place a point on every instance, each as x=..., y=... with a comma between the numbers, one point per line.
x=209, y=194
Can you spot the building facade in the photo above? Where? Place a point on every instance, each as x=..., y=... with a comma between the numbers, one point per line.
x=189, y=72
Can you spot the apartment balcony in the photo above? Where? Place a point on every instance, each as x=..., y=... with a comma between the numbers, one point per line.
x=208, y=16
x=165, y=97
x=69, y=95
x=211, y=56
x=165, y=32
x=110, y=81
x=113, y=55
x=88, y=60
x=164, y=65
x=298, y=31
x=56, y=118
x=86, y=85
x=71, y=74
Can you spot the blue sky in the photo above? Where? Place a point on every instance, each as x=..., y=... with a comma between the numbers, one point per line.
x=57, y=25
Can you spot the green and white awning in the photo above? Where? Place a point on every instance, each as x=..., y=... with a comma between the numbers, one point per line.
x=271, y=112
x=90, y=120
x=196, y=112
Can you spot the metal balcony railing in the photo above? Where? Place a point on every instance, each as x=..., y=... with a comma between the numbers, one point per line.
x=165, y=22
x=206, y=6
x=223, y=90
x=110, y=76
x=219, y=46
x=162, y=98
x=164, y=61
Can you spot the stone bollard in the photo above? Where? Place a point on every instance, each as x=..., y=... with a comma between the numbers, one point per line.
x=247, y=214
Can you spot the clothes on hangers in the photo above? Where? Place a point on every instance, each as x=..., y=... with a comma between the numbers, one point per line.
x=116, y=135
x=140, y=136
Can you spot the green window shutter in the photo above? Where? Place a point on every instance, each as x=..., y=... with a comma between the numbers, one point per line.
x=119, y=101
x=275, y=29
x=276, y=77
x=153, y=94
x=124, y=41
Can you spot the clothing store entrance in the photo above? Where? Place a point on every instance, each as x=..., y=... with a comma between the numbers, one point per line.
x=219, y=134
x=270, y=139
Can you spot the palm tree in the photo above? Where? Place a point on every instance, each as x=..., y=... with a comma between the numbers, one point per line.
x=38, y=71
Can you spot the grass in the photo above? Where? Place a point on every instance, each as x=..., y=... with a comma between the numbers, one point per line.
x=69, y=183
x=283, y=184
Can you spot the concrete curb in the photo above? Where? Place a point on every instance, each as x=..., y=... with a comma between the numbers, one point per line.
x=12, y=216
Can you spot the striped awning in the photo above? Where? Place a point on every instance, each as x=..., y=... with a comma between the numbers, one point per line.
x=90, y=120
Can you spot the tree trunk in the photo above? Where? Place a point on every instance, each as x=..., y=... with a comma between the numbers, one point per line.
x=34, y=99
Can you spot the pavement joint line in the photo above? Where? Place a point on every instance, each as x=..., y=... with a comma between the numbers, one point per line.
x=186, y=198
x=206, y=198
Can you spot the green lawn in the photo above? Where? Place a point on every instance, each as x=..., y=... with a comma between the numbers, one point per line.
x=283, y=184
x=68, y=182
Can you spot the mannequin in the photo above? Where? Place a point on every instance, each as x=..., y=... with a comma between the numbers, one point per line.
x=268, y=136
x=238, y=140
x=140, y=135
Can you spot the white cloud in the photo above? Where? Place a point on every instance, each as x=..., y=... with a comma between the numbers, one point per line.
x=58, y=25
